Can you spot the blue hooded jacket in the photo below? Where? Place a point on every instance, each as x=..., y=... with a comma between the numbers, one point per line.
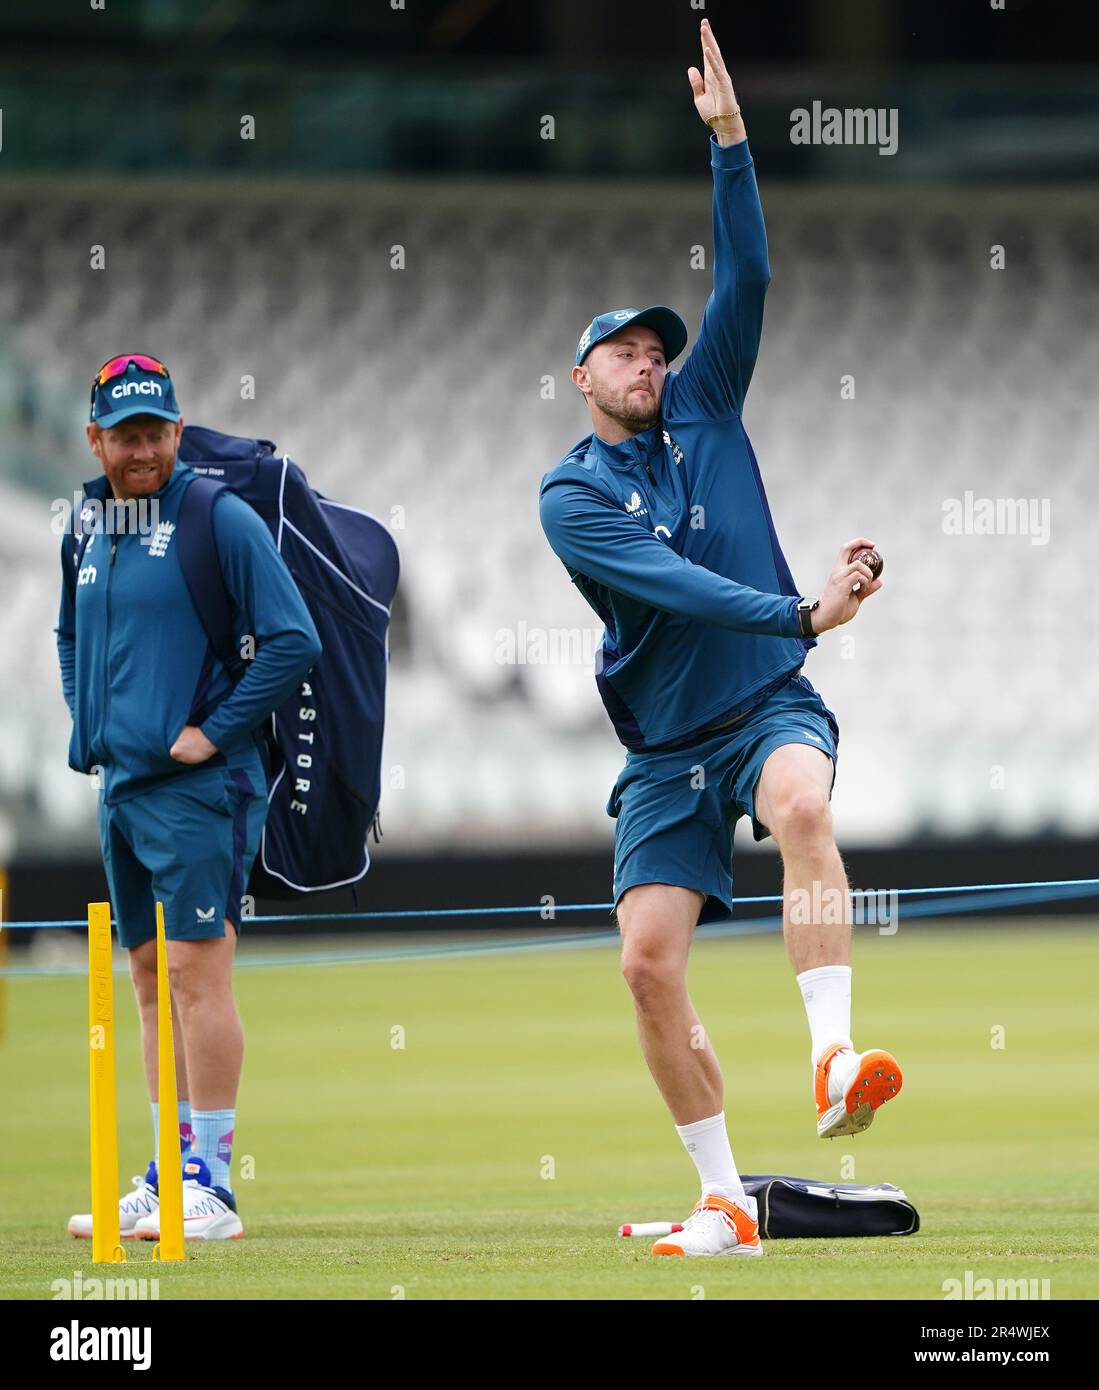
x=136, y=664
x=668, y=534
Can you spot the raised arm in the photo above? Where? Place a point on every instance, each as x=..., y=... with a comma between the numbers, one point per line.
x=713, y=380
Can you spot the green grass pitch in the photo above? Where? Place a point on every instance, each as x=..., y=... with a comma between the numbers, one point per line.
x=422, y=1171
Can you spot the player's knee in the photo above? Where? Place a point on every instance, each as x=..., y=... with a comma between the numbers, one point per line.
x=189, y=984
x=143, y=974
x=652, y=973
x=802, y=819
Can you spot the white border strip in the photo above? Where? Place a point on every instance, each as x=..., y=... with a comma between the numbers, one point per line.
x=336, y=569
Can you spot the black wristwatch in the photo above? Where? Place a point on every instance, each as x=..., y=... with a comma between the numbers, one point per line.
x=805, y=607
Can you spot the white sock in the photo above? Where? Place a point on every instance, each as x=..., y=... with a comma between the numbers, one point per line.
x=707, y=1141
x=827, y=994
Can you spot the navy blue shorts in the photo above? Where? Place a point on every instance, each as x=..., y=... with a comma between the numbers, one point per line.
x=189, y=842
x=676, y=810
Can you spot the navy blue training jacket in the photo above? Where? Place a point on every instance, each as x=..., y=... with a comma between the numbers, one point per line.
x=668, y=534
x=136, y=664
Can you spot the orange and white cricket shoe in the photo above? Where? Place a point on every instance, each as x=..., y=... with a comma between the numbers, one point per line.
x=716, y=1226
x=850, y=1086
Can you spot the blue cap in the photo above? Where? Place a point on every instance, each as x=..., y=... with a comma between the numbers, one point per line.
x=665, y=322
x=135, y=392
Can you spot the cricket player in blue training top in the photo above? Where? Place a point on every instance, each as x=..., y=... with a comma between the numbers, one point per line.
x=183, y=795
x=660, y=518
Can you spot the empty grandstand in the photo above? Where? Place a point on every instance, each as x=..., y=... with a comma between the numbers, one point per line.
x=409, y=344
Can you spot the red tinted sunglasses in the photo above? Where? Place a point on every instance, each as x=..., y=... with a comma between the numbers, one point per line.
x=117, y=365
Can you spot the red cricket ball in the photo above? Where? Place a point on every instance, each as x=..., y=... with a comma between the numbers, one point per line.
x=871, y=559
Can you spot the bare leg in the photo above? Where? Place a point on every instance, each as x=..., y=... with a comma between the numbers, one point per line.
x=657, y=923
x=792, y=802
x=143, y=975
x=202, y=986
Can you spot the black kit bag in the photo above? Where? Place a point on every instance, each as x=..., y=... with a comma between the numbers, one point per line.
x=801, y=1208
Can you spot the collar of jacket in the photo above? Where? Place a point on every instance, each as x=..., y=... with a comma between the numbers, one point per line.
x=627, y=455
x=100, y=487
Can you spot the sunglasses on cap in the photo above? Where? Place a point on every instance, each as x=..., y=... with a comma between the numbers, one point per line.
x=116, y=366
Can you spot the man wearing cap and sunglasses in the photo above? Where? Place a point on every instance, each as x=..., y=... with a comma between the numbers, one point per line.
x=661, y=520
x=174, y=743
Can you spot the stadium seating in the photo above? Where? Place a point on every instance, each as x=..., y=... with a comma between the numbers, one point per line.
x=420, y=394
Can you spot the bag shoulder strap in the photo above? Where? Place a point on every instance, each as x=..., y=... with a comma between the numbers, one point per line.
x=202, y=573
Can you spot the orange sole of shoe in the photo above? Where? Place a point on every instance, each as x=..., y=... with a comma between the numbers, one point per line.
x=879, y=1080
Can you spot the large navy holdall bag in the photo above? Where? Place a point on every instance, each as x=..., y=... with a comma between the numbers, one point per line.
x=324, y=745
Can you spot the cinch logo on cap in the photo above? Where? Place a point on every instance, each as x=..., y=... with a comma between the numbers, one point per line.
x=135, y=388
x=665, y=322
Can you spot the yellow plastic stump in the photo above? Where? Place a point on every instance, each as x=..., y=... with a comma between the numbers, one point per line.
x=106, y=1246
x=169, y=1170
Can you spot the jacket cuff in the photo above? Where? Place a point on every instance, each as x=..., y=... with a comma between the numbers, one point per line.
x=213, y=731
x=737, y=156
x=795, y=619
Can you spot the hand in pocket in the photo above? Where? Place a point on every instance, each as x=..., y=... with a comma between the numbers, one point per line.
x=192, y=746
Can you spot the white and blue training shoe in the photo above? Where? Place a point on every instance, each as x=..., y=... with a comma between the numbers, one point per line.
x=209, y=1213
x=133, y=1207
